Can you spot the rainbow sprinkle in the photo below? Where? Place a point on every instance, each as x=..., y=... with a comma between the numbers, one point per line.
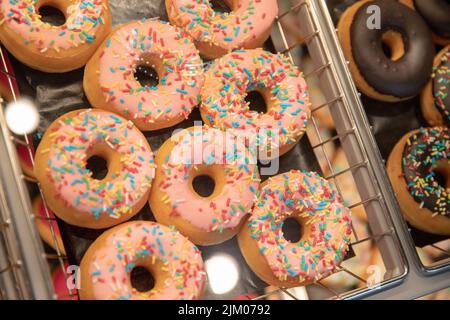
x=147, y=244
x=81, y=27
x=441, y=81
x=424, y=151
x=230, y=78
x=205, y=151
x=247, y=22
x=326, y=222
x=156, y=44
x=75, y=137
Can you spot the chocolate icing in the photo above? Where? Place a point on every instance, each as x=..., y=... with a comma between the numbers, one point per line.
x=406, y=76
x=437, y=14
x=420, y=156
x=441, y=82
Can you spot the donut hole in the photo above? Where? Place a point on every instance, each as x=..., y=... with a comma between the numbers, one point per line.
x=146, y=75
x=442, y=174
x=393, y=45
x=142, y=279
x=292, y=230
x=441, y=179
x=386, y=50
x=204, y=185
x=52, y=15
x=221, y=6
x=98, y=166
x=256, y=101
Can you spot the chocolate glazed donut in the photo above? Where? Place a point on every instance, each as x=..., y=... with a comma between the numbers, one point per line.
x=437, y=14
x=419, y=170
x=401, y=78
x=435, y=98
x=425, y=152
x=441, y=86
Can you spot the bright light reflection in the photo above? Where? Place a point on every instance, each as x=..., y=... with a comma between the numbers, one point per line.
x=22, y=117
x=222, y=273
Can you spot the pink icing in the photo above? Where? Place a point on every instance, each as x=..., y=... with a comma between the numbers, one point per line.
x=325, y=219
x=73, y=137
x=111, y=265
x=207, y=146
x=238, y=29
x=165, y=47
x=83, y=20
x=229, y=79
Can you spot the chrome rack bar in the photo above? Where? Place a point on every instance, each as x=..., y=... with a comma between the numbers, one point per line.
x=30, y=268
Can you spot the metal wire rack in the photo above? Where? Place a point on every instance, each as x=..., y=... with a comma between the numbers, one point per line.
x=441, y=248
x=24, y=271
x=420, y=279
x=310, y=37
x=317, y=34
x=19, y=272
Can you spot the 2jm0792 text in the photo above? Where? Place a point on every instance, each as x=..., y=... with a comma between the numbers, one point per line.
x=246, y=309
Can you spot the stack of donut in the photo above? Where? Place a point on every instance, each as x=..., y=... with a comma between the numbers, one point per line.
x=390, y=46
x=123, y=107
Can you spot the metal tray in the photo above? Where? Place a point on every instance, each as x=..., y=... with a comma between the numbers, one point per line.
x=390, y=121
x=24, y=271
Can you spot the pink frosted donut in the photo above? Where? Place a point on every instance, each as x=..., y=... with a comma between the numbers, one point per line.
x=52, y=48
x=110, y=81
x=70, y=189
x=196, y=152
x=247, y=26
x=175, y=264
x=231, y=77
x=325, y=221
